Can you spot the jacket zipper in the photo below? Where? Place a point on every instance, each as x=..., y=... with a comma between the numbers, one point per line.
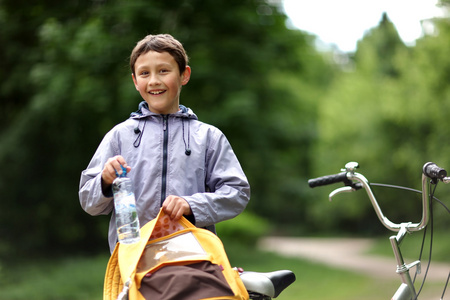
x=164, y=166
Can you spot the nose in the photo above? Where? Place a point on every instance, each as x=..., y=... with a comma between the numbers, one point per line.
x=154, y=80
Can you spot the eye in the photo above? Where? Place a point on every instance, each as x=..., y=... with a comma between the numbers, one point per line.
x=164, y=71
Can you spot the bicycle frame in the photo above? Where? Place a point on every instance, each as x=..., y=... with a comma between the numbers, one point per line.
x=406, y=290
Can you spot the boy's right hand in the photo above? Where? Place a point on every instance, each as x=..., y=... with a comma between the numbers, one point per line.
x=112, y=168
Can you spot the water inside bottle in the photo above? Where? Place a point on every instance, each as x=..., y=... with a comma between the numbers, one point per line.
x=129, y=233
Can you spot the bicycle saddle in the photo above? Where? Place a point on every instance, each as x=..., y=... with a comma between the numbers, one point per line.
x=270, y=284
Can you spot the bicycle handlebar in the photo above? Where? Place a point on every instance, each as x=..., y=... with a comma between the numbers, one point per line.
x=328, y=179
x=430, y=170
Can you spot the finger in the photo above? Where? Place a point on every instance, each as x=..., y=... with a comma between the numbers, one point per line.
x=113, y=166
x=121, y=163
x=112, y=162
x=128, y=169
x=108, y=173
x=121, y=160
x=176, y=207
x=168, y=206
x=173, y=207
x=175, y=211
x=178, y=214
x=183, y=208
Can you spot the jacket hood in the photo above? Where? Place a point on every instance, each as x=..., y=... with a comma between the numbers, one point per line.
x=143, y=111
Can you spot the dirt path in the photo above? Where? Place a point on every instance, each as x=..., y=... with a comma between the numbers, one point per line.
x=347, y=254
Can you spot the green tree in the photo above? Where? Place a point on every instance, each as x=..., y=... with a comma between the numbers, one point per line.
x=387, y=114
x=252, y=77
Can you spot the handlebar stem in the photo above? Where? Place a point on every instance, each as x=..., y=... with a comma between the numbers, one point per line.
x=403, y=269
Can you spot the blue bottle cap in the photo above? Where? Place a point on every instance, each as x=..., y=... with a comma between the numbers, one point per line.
x=124, y=172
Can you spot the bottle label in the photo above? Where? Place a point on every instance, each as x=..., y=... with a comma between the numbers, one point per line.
x=126, y=202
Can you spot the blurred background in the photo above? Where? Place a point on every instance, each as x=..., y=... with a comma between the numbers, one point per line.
x=292, y=108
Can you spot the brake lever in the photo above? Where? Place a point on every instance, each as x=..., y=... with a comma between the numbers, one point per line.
x=345, y=189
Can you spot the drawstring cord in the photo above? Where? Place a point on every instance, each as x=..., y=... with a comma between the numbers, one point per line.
x=187, y=150
x=139, y=132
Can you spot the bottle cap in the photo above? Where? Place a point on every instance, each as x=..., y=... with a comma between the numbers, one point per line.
x=124, y=172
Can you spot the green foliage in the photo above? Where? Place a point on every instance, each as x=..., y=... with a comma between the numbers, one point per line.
x=65, y=82
x=247, y=228
x=388, y=114
x=289, y=112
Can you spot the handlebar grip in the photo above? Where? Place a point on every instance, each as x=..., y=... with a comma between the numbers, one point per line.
x=432, y=171
x=328, y=179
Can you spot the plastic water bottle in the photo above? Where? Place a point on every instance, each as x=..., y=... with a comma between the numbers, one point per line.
x=127, y=221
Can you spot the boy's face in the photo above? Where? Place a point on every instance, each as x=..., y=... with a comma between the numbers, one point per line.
x=158, y=80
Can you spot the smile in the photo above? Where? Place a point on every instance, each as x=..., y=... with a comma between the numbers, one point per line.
x=156, y=92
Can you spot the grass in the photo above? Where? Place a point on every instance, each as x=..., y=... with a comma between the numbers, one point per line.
x=73, y=278
x=313, y=281
x=411, y=245
x=81, y=278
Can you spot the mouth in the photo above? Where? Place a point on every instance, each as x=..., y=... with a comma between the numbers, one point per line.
x=157, y=92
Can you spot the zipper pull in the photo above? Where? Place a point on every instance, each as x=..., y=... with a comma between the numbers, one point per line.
x=165, y=119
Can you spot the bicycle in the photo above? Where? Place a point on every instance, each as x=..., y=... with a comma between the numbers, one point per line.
x=354, y=181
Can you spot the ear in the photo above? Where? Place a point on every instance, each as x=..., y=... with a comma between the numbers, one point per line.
x=186, y=75
x=135, y=81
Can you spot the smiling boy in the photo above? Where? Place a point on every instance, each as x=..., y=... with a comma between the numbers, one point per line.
x=158, y=80
x=177, y=163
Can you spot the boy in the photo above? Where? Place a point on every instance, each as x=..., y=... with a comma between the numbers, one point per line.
x=177, y=163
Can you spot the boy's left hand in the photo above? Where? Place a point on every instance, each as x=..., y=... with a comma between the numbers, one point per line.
x=175, y=207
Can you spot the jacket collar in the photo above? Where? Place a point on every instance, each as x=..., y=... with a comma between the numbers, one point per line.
x=144, y=112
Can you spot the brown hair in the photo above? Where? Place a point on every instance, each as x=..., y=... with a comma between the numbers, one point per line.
x=160, y=43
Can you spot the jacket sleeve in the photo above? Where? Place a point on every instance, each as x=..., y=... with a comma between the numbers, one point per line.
x=92, y=199
x=229, y=190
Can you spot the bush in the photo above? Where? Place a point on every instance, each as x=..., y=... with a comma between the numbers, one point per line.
x=246, y=229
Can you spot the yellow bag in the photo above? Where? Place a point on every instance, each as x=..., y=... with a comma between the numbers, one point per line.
x=167, y=254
